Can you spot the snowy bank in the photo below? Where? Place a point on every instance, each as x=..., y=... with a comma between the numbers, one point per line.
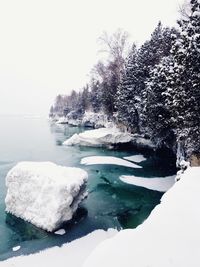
x=62, y=120
x=161, y=184
x=169, y=237
x=142, y=143
x=108, y=160
x=71, y=254
x=44, y=193
x=99, y=137
x=95, y=120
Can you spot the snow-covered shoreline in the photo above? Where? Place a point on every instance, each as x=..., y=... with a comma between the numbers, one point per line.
x=172, y=228
x=70, y=254
x=99, y=137
x=169, y=237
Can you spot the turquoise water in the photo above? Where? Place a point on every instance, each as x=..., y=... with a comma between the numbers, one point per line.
x=110, y=203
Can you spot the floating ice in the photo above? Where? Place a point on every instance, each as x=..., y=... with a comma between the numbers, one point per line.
x=136, y=158
x=16, y=248
x=60, y=232
x=161, y=184
x=108, y=160
x=44, y=193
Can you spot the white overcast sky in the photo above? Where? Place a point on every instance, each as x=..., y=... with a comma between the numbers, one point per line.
x=48, y=47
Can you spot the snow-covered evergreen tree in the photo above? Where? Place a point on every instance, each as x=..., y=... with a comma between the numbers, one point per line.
x=173, y=90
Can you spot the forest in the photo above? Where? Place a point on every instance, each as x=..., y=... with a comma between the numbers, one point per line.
x=152, y=90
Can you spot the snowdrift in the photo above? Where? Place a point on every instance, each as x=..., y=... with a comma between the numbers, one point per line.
x=70, y=254
x=169, y=237
x=44, y=193
x=99, y=137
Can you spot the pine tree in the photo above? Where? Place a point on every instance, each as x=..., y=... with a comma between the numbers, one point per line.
x=126, y=112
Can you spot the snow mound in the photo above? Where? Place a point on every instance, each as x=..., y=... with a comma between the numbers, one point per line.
x=108, y=160
x=169, y=237
x=142, y=143
x=95, y=120
x=70, y=254
x=161, y=184
x=99, y=137
x=44, y=194
x=136, y=158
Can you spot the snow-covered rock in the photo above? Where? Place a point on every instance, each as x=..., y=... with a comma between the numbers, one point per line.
x=142, y=143
x=75, y=123
x=161, y=184
x=95, y=120
x=93, y=160
x=62, y=120
x=44, y=193
x=99, y=137
x=169, y=237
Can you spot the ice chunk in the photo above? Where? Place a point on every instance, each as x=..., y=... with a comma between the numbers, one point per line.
x=161, y=184
x=16, y=248
x=44, y=194
x=60, y=232
x=99, y=137
x=136, y=158
x=108, y=160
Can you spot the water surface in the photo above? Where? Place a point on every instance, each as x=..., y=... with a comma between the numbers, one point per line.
x=110, y=204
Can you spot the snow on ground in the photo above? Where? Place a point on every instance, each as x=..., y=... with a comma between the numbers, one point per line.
x=136, y=158
x=71, y=254
x=99, y=137
x=170, y=237
x=44, y=193
x=73, y=122
x=95, y=120
x=108, y=160
x=141, y=142
x=161, y=184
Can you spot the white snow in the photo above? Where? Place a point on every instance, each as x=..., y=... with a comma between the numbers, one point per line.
x=62, y=120
x=60, y=232
x=95, y=120
x=108, y=160
x=16, y=248
x=142, y=142
x=99, y=137
x=44, y=193
x=70, y=254
x=161, y=184
x=170, y=237
x=73, y=122
x=136, y=158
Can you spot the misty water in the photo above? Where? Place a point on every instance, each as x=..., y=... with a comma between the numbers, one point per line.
x=110, y=203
